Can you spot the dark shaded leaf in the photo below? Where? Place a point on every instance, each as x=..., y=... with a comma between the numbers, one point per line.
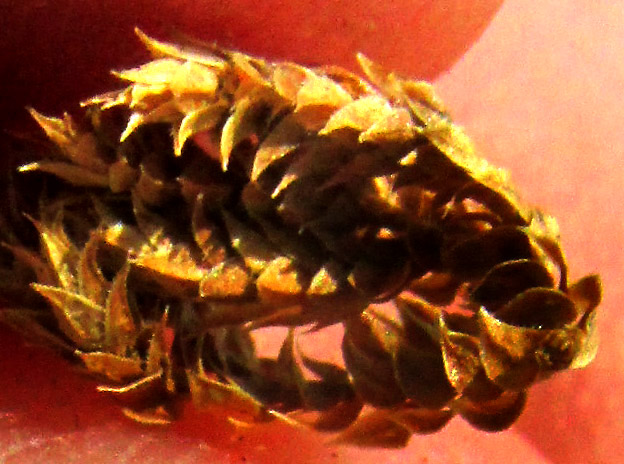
x=377, y=429
x=494, y=415
x=370, y=364
x=504, y=281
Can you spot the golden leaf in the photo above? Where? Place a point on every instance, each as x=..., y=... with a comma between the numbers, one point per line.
x=121, y=330
x=207, y=393
x=79, y=147
x=199, y=120
x=280, y=282
x=79, y=318
x=288, y=79
x=282, y=140
x=110, y=99
x=158, y=352
x=171, y=268
x=162, y=49
x=240, y=125
x=590, y=341
x=248, y=71
x=77, y=175
x=359, y=115
x=146, y=389
x=60, y=131
x=224, y=281
x=91, y=280
x=586, y=293
x=326, y=281
x=349, y=81
x=157, y=72
x=194, y=79
x=123, y=237
x=245, y=124
x=135, y=120
x=379, y=77
x=422, y=92
x=151, y=416
x=318, y=90
x=145, y=98
x=393, y=127
x=116, y=368
x=416, y=311
x=149, y=112
x=60, y=251
x=460, y=354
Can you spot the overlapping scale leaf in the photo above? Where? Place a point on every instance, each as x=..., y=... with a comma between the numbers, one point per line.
x=534, y=333
x=370, y=364
x=419, y=359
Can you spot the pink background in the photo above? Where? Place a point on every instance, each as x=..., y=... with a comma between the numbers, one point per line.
x=541, y=94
